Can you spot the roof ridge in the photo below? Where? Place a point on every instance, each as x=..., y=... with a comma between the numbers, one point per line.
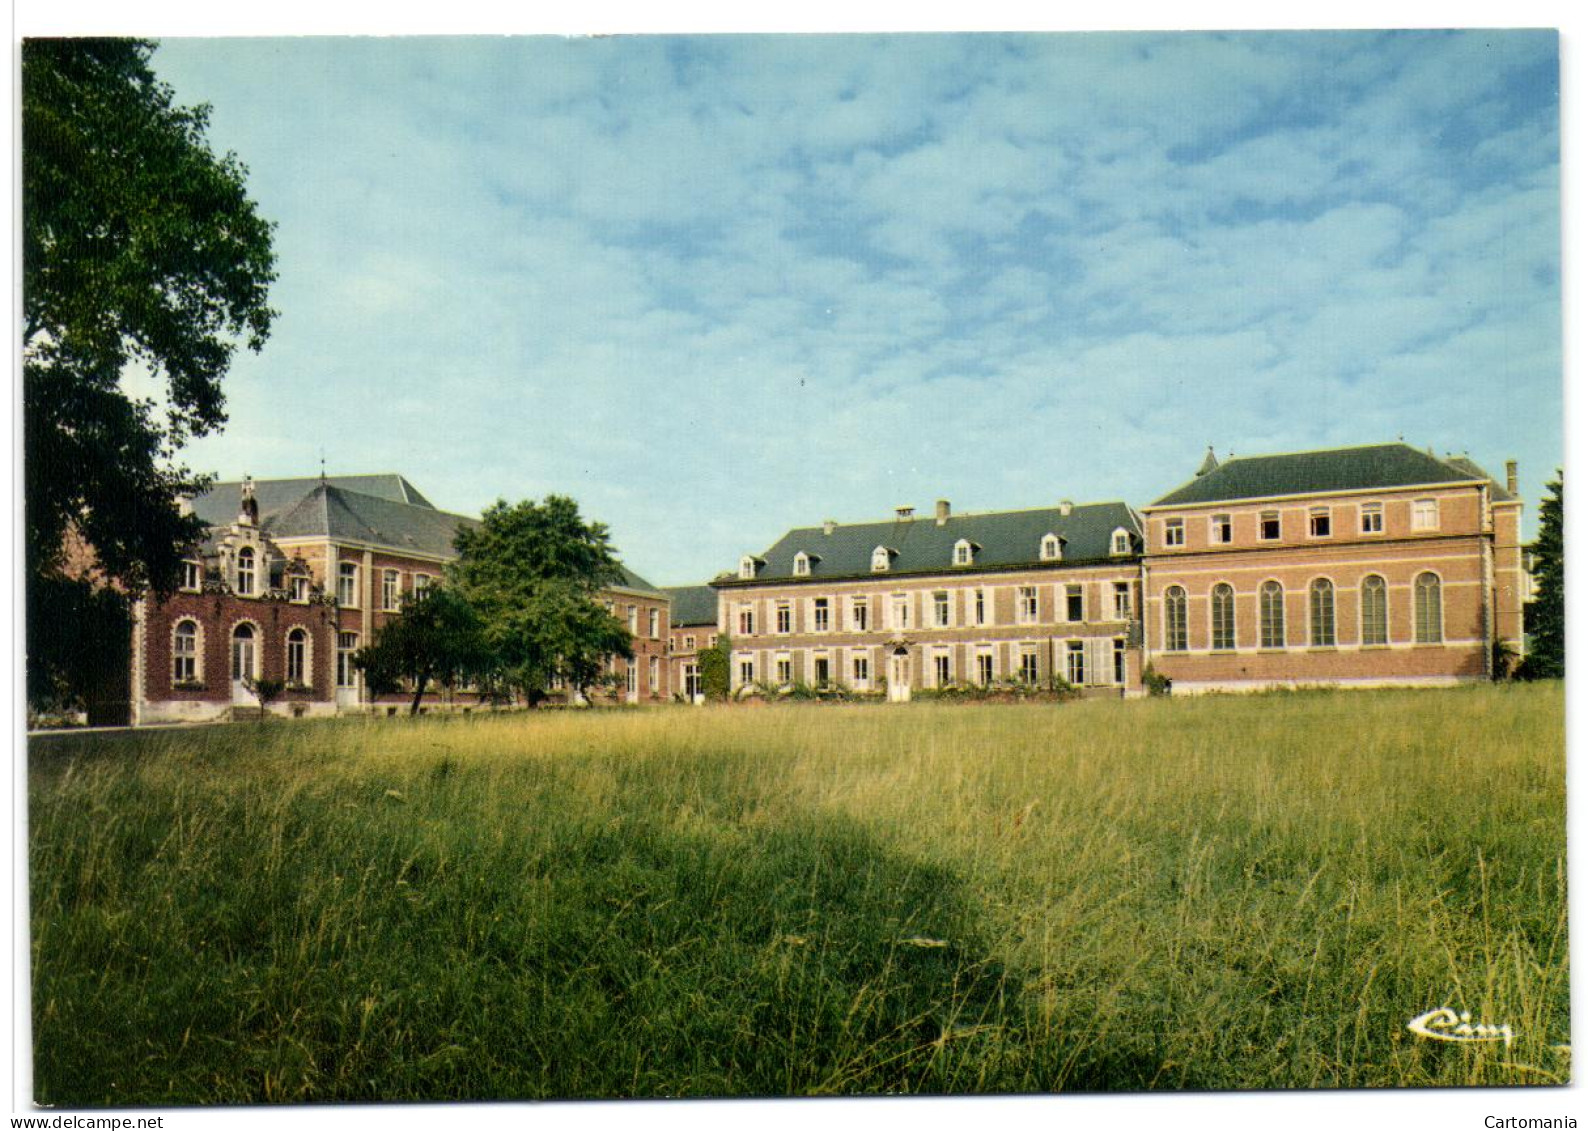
x=930, y=519
x=1318, y=452
x=394, y=502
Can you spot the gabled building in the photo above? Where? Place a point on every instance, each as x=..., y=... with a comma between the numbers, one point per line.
x=1035, y=596
x=693, y=629
x=1367, y=565
x=644, y=609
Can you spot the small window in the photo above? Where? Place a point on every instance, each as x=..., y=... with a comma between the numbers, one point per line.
x=1375, y=610
x=1121, y=542
x=1174, y=532
x=653, y=679
x=1319, y=522
x=1026, y=605
x=391, y=590
x=746, y=568
x=421, y=584
x=942, y=670
x=1271, y=615
x=984, y=668
x=689, y=643
x=300, y=590
x=1050, y=547
x=820, y=671
x=1268, y=526
x=746, y=671
x=879, y=559
x=861, y=667
x=1429, y=608
x=297, y=656
x=634, y=620
x=820, y=617
x=346, y=673
x=631, y=679
x=1119, y=659
x=901, y=610
x=192, y=576
x=654, y=623
x=347, y=588
x=940, y=609
x=979, y=607
x=245, y=572
x=783, y=618
x=1372, y=515
x=785, y=670
x=747, y=620
x=859, y=613
x=1223, y=610
x=1321, y=604
x=1425, y=514
x=802, y=564
x=1028, y=666
x=1121, y=600
x=1220, y=530
x=1174, y=628
x=1075, y=663
x=964, y=553
x=185, y=652
x=1074, y=603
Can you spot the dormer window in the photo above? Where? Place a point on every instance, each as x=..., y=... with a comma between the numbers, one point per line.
x=245, y=572
x=747, y=568
x=802, y=564
x=1050, y=548
x=192, y=576
x=964, y=552
x=1120, y=543
x=300, y=590
x=879, y=559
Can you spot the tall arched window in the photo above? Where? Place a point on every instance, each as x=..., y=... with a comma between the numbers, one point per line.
x=1321, y=602
x=245, y=572
x=1430, y=610
x=347, y=585
x=1375, y=610
x=1174, y=634
x=243, y=652
x=297, y=656
x=1223, y=618
x=184, y=652
x=1271, y=615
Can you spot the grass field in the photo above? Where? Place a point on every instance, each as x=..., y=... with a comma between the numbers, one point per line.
x=1214, y=893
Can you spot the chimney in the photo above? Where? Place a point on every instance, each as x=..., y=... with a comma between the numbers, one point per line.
x=1510, y=476
x=829, y=525
x=1065, y=507
x=942, y=511
x=904, y=514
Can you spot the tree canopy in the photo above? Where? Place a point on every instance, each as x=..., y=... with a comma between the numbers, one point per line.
x=142, y=255
x=439, y=637
x=1545, y=615
x=533, y=571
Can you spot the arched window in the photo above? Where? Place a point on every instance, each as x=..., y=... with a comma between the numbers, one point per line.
x=1050, y=547
x=297, y=656
x=1223, y=618
x=347, y=585
x=1271, y=615
x=245, y=572
x=1375, y=610
x=243, y=652
x=1174, y=634
x=1321, y=604
x=1430, y=610
x=185, y=652
x=964, y=553
x=879, y=559
x=802, y=564
x=346, y=671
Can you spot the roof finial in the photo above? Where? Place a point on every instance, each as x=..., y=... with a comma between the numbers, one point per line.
x=322, y=467
x=1210, y=463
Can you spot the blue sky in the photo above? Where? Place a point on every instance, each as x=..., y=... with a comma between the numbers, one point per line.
x=714, y=287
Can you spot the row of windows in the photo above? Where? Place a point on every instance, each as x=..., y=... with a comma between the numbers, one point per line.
x=1320, y=523
x=245, y=582
x=1428, y=610
x=978, y=611
x=187, y=654
x=1049, y=549
x=687, y=643
x=941, y=666
x=653, y=621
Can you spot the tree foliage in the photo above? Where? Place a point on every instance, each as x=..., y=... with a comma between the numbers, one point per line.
x=141, y=254
x=1545, y=614
x=533, y=571
x=438, y=638
x=715, y=681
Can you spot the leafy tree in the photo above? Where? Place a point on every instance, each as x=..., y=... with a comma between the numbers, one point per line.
x=267, y=691
x=141, y=253
x=1545, y=614
x=533, y=571
x=714, y=662
x=439, y=637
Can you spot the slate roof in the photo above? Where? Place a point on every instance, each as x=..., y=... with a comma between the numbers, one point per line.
x=342, y=515
x=1005, y=540
x=1337, y=469
x=632, y=580
x=692, y=604
x=218, y=506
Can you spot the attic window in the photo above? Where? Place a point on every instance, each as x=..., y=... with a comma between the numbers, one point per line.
x=964, y=552
x=1050, y=548
x=192, y=576
x=747, y=568
x=879, y=559
x=802, y=564
x=245, y=572
x=1121, y=541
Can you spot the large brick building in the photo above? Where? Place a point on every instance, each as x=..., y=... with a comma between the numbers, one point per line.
x=1034, y=596
x=296, y=575
x=694, y=629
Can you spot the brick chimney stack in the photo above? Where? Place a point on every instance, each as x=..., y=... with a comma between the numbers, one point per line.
x=942, y=511
x=1510, y=476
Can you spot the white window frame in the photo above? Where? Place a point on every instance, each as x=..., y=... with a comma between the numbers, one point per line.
x=1279, y=526
x=747, y=568
x=1050, y=551
x=192, y=576
x=978, y=607
x=899, y=607
x=654, y=623
x=879, y=560
x=986, y=667
x=347, y=587
x=783, y=618
x=964, y=553
x=1425, y=514
x=860, y=613
x=194, y=659
x=304, y=669
x=1027, y=606
x=299, y=588
x=1079, y=592
x=1119, y=543
x=1326, y=514
x=802, y=564
x=1174, y=532
x=860, y=670
x=942, y=609
x=247, y=571
x=391, y=590
x=1075, y=662
x=1122, y=601
x=1221, y=530
x=1370, y=518
x=821, y=614
x=346, y=673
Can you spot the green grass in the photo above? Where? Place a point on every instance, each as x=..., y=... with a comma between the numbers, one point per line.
x=1214, y=893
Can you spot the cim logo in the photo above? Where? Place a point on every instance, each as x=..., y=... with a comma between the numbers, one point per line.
x=1448, y=1025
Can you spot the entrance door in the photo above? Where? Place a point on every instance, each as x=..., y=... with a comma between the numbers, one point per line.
x=346, y=673
x=899, y=677
x=243, y=663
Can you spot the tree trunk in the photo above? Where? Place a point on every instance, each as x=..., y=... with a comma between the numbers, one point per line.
x=419, y=693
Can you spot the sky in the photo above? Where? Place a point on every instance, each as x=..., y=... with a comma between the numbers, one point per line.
x=714, y=287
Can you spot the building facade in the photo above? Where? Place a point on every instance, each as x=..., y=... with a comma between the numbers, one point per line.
x=1037, y=597
x=1355, y=566
x=693, y=630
